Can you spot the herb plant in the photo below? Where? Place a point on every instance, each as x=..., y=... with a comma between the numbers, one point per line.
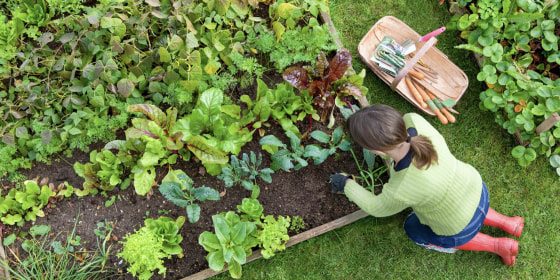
x=45, y=258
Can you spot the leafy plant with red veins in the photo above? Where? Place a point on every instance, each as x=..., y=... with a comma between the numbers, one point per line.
x=327, y=81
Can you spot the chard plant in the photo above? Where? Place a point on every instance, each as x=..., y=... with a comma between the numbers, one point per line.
x=328, y=81
x=212, y=130
x=245, y=172
x=178, y=188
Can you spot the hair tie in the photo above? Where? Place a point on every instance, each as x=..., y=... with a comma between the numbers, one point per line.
x=408, y=139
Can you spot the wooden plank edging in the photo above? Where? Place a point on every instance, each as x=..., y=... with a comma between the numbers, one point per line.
x=296, y=239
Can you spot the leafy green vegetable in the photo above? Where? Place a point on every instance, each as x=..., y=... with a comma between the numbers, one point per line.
x=144, y=251
x=273, y=235
x=245, y=171
x=327, y=81
x=178, y=188
x=147, y=247
x=231, y=243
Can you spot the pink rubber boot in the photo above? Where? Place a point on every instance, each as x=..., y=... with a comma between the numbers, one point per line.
x=506, y=248
x=511, y=225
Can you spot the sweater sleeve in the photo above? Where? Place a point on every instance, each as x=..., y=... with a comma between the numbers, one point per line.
x=382, y=205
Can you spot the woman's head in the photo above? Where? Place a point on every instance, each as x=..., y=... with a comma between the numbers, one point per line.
x=378, y=127
x=381, y=128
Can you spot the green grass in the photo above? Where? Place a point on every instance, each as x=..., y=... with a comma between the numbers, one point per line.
x=375, y=248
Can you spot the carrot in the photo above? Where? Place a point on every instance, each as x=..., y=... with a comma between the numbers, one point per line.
x=448, y=115
x=415, y=93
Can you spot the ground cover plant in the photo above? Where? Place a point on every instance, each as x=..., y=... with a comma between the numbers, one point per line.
x=519, y=43
x=529, y=192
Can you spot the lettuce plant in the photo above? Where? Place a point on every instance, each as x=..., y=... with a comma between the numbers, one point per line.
x=103, y=172
x=273, y=234
x=251, y=209
x=147, y=247
x=231, y=243
x=168, y=230
x=327, y=81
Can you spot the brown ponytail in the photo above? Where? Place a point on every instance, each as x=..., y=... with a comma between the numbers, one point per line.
x=382, y=128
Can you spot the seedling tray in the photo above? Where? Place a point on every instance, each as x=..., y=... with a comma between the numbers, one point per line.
x=451, y=81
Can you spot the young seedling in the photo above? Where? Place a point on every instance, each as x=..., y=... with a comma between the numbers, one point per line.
x=336, y=141
x=284, y=159
x=245, y=172
x=178, y=188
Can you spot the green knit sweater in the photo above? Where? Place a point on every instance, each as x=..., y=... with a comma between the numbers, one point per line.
x=444, y=197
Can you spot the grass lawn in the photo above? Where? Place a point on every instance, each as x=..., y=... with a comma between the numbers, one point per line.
x=375, y=248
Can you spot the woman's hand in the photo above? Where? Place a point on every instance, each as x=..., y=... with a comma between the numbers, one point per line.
x=338, y=181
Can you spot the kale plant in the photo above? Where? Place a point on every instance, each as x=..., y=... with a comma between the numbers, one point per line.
x=245, y=172
x=178, y=188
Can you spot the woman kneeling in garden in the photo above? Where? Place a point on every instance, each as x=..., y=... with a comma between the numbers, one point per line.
x=448, y=197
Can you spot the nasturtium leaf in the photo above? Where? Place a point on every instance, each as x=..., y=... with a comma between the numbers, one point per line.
x=553, y=104
x=555, y=161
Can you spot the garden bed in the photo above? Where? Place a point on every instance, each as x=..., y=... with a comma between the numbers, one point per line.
x=304, y=193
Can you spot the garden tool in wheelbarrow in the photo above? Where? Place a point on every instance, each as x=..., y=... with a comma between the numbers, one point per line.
x=408, y=46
